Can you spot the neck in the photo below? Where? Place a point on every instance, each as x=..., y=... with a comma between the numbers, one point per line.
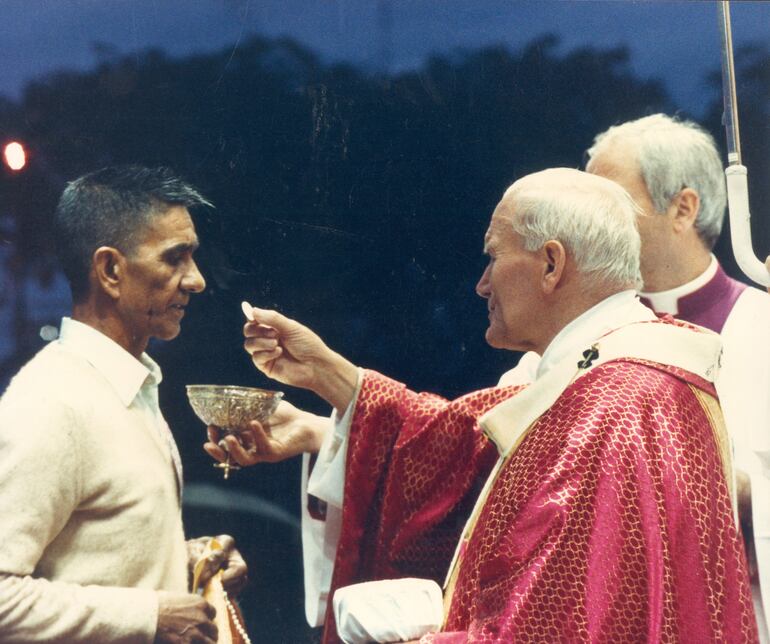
x=571, y=308
x=104, y=319
x=668, y=271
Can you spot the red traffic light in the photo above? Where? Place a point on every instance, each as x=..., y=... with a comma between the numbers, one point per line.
x=15, y=156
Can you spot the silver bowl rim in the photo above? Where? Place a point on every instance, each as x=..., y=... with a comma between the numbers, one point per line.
x=227, y=391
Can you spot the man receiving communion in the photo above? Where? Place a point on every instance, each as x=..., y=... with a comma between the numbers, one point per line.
x=93, y=547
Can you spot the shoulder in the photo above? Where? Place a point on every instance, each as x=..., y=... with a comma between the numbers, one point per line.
x=679, y=349
x=749, y=321
x=638, y=403
x=51, y=391
x=637, y=380
x=751, y=302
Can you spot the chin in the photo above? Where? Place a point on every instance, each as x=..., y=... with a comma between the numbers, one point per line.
x=168, y=333
x=498, y=340
x=494, y=340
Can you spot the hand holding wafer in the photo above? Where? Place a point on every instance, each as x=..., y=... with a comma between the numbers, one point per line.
x=289, y=352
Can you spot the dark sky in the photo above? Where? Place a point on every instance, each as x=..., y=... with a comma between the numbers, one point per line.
x=678, y=41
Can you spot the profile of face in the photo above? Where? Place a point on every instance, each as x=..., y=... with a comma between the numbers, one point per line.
x=510, y=284
x=157, y=278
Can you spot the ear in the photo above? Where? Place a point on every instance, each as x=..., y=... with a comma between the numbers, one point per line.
x=686, y=206
x=108, y=265
x=555, y=256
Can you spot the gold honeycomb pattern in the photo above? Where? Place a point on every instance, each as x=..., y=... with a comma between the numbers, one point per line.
x=612, y=522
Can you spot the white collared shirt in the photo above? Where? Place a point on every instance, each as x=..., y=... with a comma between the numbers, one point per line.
x=611, y=313
x=135, y=381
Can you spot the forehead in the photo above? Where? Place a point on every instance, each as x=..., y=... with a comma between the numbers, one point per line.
x=615, y=161
x=500, y=227
x=172, y=227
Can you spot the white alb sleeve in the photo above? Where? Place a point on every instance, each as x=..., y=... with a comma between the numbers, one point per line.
x=320, y=536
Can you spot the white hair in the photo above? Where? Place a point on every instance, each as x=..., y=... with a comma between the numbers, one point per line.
x=594, y=218
x=674, y=154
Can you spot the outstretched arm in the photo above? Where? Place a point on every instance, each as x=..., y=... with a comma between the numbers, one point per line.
x=289, y=352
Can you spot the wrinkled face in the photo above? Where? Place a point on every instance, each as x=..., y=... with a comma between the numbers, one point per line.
x=160, y=274
x=510, y=285
x=617, y=163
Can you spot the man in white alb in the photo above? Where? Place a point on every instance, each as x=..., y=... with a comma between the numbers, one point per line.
x=673, y=171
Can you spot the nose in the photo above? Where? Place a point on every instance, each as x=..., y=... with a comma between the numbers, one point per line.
x=193, y=281
x=482, y=288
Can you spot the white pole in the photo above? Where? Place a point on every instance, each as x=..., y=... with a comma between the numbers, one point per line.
x=736, y=173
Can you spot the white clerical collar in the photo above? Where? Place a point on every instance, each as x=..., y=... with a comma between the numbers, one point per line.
x=609, y=314
x=668, y=301
x=123, y=371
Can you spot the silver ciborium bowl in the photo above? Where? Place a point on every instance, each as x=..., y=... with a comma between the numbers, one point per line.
x=231, y=408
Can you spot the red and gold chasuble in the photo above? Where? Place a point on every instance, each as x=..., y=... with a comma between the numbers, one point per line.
x=610, y=521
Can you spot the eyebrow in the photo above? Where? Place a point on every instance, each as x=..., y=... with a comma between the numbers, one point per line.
x=183, y=247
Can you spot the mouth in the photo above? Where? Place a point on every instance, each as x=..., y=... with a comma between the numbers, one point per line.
x=179, y=308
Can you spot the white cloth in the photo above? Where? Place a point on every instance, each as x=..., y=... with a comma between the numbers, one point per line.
x=91, y=525
x=743, y=386
x=392, y=610
x=328, y=477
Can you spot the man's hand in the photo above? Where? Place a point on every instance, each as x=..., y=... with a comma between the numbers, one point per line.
x=291, y=353
x=185, y=619
x=228, y=559
x=287, y=433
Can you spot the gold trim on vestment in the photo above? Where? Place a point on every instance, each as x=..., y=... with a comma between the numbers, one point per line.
x=470, y=526
x=713, y=411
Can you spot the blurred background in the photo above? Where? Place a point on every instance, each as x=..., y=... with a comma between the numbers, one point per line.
x=354, y=151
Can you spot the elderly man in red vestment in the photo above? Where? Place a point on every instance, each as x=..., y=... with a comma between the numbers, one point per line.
x=606, y=512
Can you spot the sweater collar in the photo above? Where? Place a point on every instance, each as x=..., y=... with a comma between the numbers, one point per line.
x=124, y=372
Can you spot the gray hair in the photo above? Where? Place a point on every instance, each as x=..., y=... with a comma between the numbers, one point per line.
x=593, y=217
x=674, y=154
x=110, y=207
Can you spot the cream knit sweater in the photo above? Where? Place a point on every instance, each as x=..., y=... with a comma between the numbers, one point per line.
x=90, y=521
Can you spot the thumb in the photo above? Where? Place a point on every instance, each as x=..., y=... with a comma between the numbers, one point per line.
x=271, y=318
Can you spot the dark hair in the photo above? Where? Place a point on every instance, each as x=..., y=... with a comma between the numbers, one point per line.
x=110, y=207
